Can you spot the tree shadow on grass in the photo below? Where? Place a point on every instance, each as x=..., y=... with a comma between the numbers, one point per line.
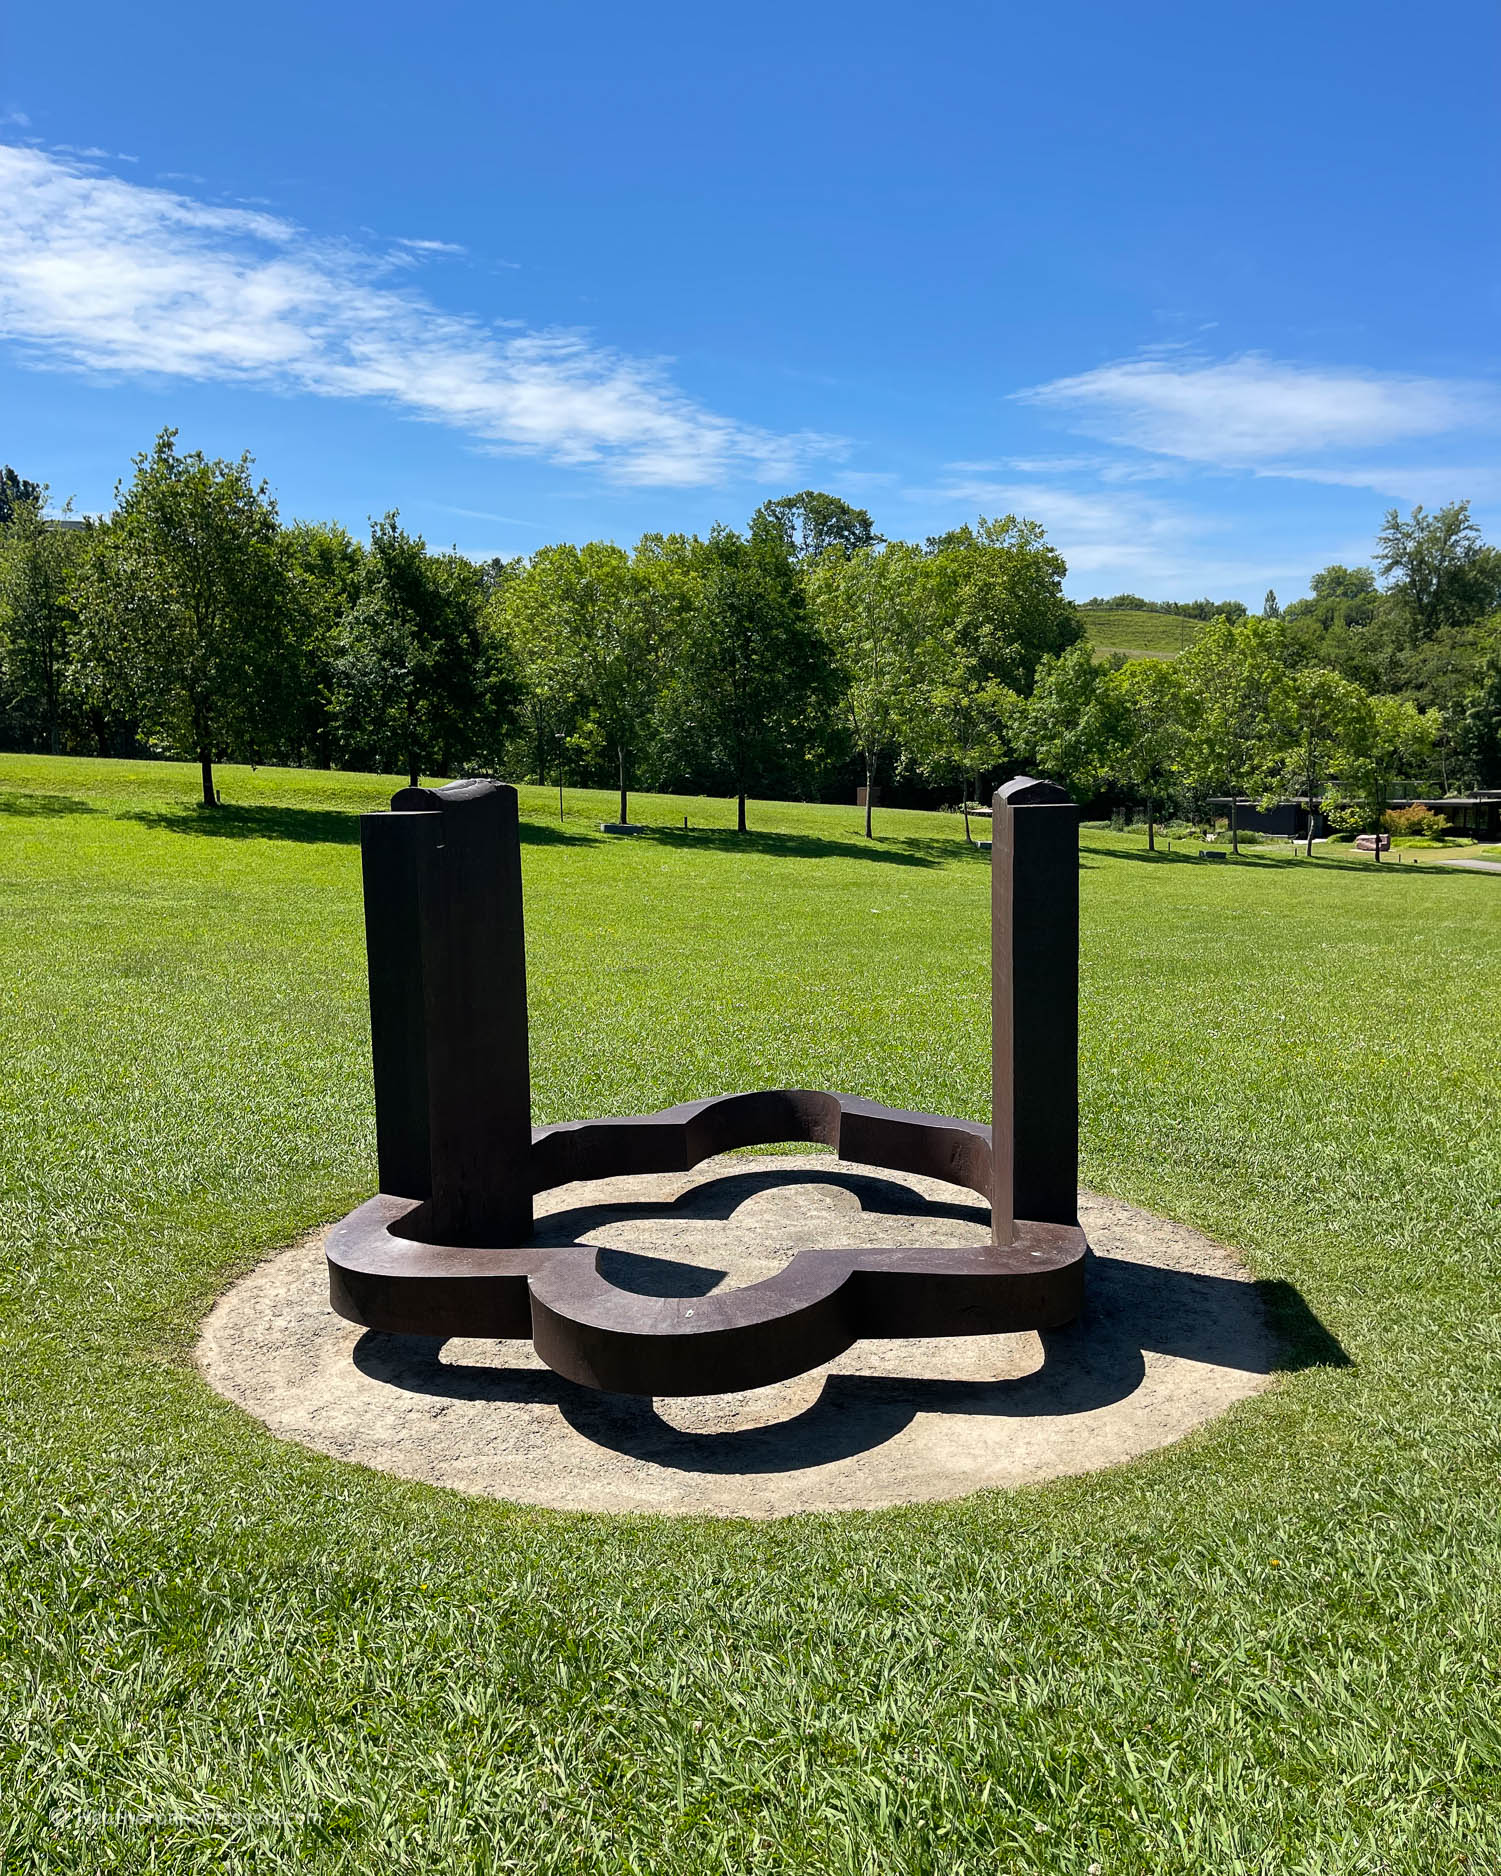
x=1273, y=862
x=921, y=853
x=549, y=834
x=43, y=806
x=313, y=826
x=324, y=826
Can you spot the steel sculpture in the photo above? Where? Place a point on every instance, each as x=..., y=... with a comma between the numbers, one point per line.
x=443, y=1248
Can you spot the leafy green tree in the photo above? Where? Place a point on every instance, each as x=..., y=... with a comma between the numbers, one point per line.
x=1233, y=675
x=995, y=601
x=530, y=610
x=868, y=606
x=1076, y=723
x=749, y=670
x=185, y=606
x=406, y=683
x=500, y=678
x=16, y=492
x=1393, y=739
x=1423, y=636
x=1480, y=727
x=1332, y=626
x=1337, y=626
x=604, y=647
x=1151, y=727
x=497, y=572
x=993, y=609
x=963, y=730
x=39, y=563
x=810, y=523
x=1320, y=714
x=1439, y=568
x=323, y=564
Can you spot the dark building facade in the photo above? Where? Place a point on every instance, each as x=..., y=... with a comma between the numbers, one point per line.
x=1477, y=815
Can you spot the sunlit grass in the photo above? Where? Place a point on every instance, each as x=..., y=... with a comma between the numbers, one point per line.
x=1271, y=1648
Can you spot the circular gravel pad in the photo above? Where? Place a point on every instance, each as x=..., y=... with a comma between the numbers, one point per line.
x=1172, y=1334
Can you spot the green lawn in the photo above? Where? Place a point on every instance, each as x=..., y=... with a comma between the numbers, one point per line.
x=1138, y=634
x=1271, y=1648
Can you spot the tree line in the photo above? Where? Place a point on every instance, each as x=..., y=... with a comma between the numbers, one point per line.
x=798, y=657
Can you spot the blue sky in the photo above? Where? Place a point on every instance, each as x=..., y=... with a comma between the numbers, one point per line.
x=1203, y=289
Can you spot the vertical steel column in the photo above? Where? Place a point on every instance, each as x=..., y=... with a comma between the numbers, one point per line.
x=1034, y=888
x=395, y=849
x=448, y=1008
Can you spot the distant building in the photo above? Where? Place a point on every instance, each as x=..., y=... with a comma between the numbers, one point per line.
x=1478, y=815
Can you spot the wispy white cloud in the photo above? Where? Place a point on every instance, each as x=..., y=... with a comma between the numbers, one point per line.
x=483, y=514
x=18, y=118
x=1254, y=412
x=1120, y=539
x=179, y=175
x=1131, y=535
x=102, y=275
x=90, y=153
x=1103, y=467
x=1430, y=483
x=430, y=247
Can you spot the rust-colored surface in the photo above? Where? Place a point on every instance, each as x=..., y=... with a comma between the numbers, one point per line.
x=428, y=1255
x=385, y=1274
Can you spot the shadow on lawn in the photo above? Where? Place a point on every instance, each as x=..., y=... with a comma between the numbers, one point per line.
x=1132, y=1308
x=549, y=834
x=341, y=826
x=326, y=826
x=43, y=806
x=805, y=846
x=1256, y=856
x=336, y=826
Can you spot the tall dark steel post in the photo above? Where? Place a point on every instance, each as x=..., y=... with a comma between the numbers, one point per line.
x=1035, y=1006
x=395, y=849
x=448, y=1008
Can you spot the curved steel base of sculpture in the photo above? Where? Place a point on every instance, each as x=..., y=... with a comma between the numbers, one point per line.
x=385, y=1273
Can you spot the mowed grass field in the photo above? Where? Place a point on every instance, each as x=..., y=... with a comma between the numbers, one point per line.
x=1271, y=1648
x=1138, y=634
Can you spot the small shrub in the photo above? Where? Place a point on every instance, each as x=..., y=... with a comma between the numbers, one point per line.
x=1418, y=821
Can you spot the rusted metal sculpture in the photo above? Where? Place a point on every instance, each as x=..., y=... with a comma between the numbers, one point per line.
x=443, y=1249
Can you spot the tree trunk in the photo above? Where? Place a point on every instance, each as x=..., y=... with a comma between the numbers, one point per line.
x=412, y=771
x=1151, y=828
x=1235, y=825
x=740, y=822
x=966, y=821
x=624, y=809
x=870, y=769
x=206, y=767
x=1311, y=778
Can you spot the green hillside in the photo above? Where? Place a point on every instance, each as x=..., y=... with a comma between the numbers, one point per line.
x=1138, y=634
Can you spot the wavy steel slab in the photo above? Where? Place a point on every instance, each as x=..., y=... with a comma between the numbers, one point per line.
x=384, y=1273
